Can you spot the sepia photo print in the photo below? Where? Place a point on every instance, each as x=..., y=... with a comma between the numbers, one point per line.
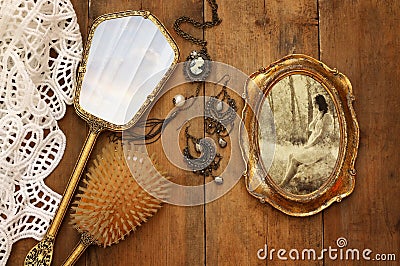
x=307, y=134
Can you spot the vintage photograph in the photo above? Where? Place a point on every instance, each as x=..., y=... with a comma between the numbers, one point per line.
x=307, y=134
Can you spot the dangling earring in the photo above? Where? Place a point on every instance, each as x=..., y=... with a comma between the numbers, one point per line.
x=209, y=159
x=219, y=117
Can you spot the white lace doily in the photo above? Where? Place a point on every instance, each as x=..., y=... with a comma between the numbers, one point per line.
x=40, y=47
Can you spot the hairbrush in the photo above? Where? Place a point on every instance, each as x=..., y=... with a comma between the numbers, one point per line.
x=111, y=203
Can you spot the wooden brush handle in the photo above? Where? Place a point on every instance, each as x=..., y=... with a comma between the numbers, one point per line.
x=86, y=240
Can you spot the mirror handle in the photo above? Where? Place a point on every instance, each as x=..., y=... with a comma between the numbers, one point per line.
x=74, y=180
x=42, y=252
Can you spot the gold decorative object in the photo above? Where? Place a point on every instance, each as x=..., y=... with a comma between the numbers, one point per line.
x=302, y=136
x=111, y=203
x=123, y=69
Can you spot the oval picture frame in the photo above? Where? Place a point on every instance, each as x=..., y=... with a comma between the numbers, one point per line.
x=311, y=163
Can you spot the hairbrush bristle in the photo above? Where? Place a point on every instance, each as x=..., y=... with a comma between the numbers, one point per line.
x=112, y=204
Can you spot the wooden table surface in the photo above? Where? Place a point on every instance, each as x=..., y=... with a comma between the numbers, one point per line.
x=361, y=39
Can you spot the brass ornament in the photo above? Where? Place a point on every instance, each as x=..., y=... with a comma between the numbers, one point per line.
x=340, y=183
x=41, y=254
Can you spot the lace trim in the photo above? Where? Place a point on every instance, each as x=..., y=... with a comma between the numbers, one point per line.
x=40, y=47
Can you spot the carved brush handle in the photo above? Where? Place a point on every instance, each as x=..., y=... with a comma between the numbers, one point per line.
x=86, y=240
x=42, y=253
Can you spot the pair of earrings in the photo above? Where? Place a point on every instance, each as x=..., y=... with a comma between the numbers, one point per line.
x=220, y=113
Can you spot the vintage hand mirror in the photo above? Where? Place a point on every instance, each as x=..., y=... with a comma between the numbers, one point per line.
x=308, y=163
x=128, y=57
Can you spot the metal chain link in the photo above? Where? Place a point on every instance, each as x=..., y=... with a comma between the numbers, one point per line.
x=200, y=25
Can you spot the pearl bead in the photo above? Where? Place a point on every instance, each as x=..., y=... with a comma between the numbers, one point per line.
x=193, y=54
x=178, y=100
x=198, y=147
x=219, y=106
x=218, y=180
x=222, y=143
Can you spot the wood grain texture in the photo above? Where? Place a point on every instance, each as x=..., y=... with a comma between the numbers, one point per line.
x=358, y=37
x=359, y=40
x=236, y=223
x=262, y=32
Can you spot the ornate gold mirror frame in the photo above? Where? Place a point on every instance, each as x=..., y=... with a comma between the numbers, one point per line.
x=319, y=161
x=92, y=119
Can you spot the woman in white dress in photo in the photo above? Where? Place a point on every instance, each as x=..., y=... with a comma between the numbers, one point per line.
x=318, y=145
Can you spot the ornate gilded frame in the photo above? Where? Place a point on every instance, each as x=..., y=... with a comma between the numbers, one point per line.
x=93, y=120
x=342, y=180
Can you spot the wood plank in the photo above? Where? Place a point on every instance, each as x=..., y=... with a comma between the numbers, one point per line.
x=235, y=223
x=254, y=34
x=75, y=130
x=174, y=236
x=293, y=29
x=360, y=41
x=181, y=231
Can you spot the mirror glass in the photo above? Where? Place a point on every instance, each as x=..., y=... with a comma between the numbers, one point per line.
x=128, y=58
x=307, y=134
